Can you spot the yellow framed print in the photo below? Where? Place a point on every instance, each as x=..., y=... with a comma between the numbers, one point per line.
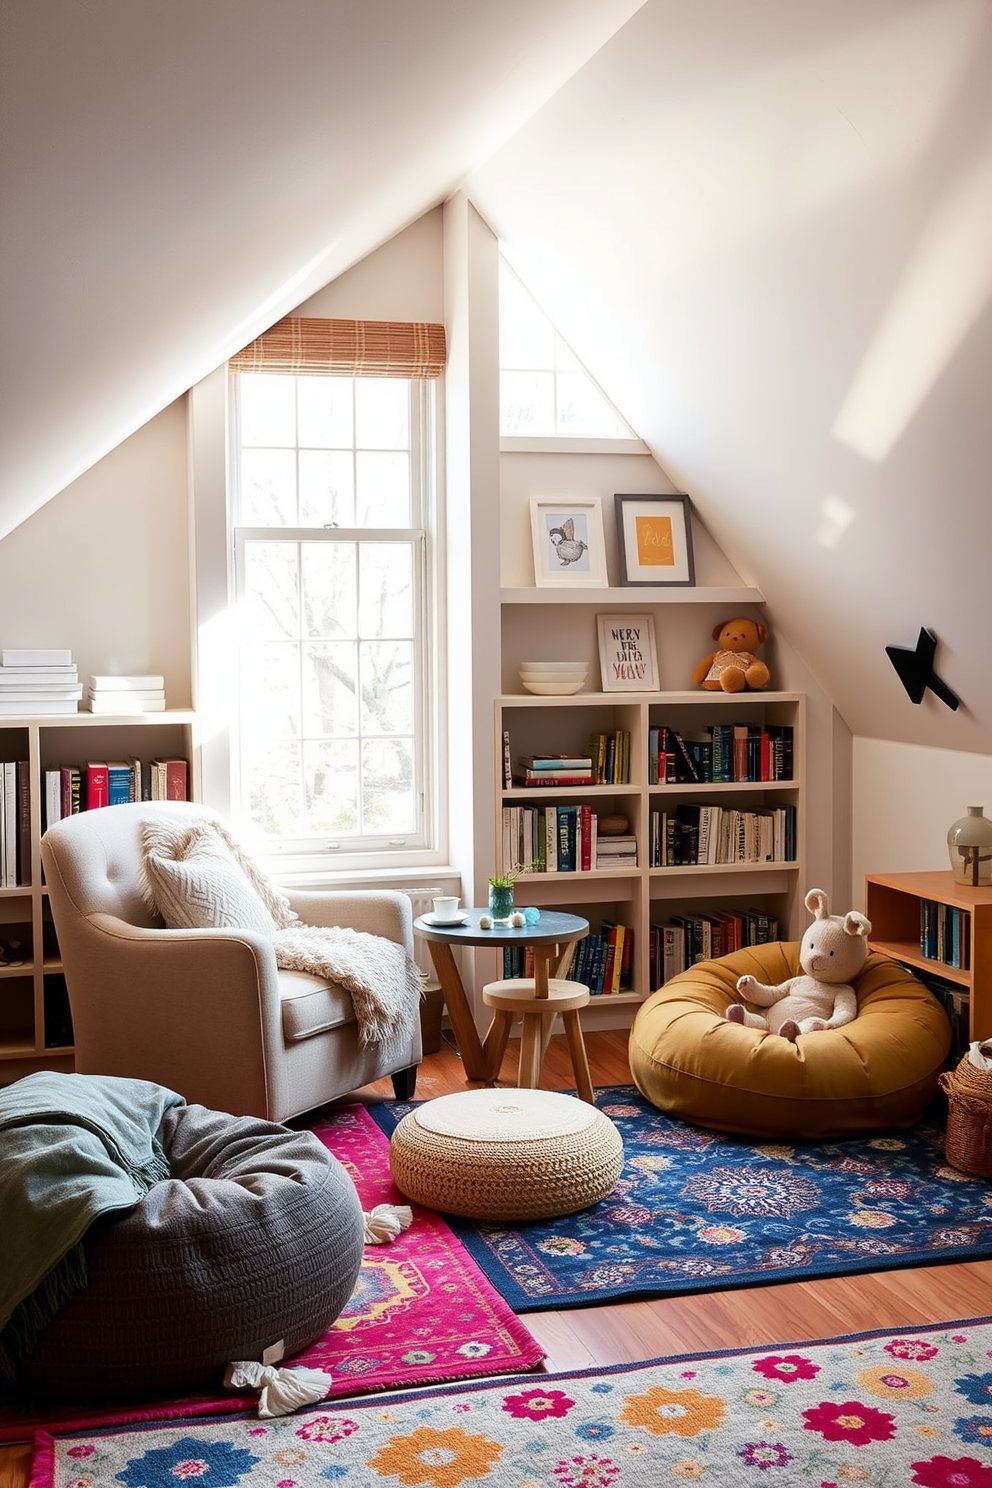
x=654, y=535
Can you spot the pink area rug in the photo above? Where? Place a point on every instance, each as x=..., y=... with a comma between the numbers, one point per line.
x=422, y=1312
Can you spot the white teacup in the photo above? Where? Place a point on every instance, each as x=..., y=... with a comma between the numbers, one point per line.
x=446, y=907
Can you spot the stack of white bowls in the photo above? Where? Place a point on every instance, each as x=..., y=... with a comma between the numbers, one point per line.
x=553, y=678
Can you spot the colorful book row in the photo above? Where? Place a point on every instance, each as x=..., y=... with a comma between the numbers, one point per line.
x=725, y=753
x=702, y=833
x=15, y=825
x=681, y=941
x=72, y=788
x=602, y=961
x=945, y=933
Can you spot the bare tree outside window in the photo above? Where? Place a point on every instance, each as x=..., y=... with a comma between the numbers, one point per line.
x=329, y=544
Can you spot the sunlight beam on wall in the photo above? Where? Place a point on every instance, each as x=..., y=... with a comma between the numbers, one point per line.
x=941, y=294
x=835, y=518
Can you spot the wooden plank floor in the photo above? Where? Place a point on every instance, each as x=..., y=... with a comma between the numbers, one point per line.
x=754, y=1316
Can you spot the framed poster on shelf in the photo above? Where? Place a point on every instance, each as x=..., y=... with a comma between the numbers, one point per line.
x=628, y=659
x=654, y=534
x=569, y=545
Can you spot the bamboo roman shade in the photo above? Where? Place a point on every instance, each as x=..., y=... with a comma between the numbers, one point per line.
x=346, y=348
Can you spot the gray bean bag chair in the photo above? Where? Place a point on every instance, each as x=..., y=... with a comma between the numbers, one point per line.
x=256, y=1237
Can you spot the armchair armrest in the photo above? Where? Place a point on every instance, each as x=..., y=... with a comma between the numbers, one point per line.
x=179, y=1007
x=382, y=912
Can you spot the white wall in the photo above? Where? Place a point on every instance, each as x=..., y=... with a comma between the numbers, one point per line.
x=104, y=567
x=905, y=798
x=402, y=280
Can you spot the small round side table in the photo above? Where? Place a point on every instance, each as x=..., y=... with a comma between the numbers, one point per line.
x=549, y=938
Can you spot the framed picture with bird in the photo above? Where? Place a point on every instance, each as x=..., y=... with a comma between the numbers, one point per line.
x=569, y=543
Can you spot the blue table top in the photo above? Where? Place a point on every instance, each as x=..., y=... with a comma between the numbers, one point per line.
x=553, y=928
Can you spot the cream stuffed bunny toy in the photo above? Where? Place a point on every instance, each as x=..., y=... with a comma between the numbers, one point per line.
x=832, y=953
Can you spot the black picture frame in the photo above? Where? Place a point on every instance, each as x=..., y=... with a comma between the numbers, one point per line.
x=654, y=539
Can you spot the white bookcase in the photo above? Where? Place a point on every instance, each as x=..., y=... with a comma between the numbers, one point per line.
x=50, y=743
x=640, y=896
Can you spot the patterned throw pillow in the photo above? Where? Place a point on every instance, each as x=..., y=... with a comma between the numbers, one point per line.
x=196, y=883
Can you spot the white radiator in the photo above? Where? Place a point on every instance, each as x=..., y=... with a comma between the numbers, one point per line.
x=422, y=902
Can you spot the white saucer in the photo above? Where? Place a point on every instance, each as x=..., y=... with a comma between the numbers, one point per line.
x=432, y=919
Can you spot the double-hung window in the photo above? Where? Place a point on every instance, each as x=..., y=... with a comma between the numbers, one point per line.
x=333, y=498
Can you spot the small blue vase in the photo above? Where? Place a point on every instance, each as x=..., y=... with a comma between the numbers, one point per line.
x=501, y=901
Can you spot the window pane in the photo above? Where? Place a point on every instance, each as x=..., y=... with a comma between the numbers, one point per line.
x=385, y=590
x=387, y=687
x=526, y=336
x=270, y=692
x=330, y=688
x=527, y=403
x=382, y=413
x=268, y=488
x=271, y=783
x=582, y=409
x=382, y=497
x=388, y=787
x=271, y=604
x=330, y=589
x=331, y=783
x=326, y=418
x=267, y=408
x=327, y=488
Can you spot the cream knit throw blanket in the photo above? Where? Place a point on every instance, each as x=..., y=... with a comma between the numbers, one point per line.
x=187, y=880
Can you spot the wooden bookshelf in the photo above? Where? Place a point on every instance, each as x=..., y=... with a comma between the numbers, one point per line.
x=640, y=895
x=892, y=903
x=30, y=1040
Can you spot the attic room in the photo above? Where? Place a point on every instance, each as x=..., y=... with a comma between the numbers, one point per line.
x=761, y=232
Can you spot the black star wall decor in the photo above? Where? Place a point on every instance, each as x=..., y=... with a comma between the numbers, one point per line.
x=915, y=669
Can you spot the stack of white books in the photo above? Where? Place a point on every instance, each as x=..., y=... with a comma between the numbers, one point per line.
x=38, y=681
x=135, y=694
x=616, y=852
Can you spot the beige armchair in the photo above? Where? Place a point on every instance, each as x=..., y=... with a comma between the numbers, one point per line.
x=206, y=1012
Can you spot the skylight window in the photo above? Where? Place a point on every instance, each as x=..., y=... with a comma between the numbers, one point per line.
x=545, y=392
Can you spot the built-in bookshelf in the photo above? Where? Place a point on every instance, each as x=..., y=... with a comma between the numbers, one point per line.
x=929, y=921
x=655, y=888
x=35, y=1029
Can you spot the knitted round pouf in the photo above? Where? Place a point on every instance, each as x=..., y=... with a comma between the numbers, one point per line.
x=506, y=1154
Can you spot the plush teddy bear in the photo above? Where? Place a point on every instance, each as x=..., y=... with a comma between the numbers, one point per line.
x=733, y=665
x=832, y=953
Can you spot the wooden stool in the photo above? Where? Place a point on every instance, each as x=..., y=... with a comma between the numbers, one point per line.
x=518, y=997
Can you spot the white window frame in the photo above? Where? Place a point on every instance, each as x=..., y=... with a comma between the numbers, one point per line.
x=213, y=455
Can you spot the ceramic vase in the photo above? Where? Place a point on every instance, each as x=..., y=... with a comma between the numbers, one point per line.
x=969, y=846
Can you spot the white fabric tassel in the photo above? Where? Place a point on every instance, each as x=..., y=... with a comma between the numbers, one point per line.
x=385, y=1221
x=283, y=1390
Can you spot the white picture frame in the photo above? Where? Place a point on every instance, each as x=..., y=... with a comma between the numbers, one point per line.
x=628, y=656
x=569, y=543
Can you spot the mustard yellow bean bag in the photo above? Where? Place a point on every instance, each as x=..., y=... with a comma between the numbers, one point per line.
x=879, y=1071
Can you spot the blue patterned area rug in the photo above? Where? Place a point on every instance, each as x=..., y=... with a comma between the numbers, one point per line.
x=695, y=1211
x=873, y=1408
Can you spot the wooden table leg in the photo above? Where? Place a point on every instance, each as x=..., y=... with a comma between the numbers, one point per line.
x=495, y=1042
x=580, y=1063
x=542, y=955
x=531, y=1051
x=467, y=1038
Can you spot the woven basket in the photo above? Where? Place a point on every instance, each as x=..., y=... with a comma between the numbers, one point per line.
x=968, y=1143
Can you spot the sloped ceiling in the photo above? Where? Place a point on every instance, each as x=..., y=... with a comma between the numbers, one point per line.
x=766, y=228
x=177, y=174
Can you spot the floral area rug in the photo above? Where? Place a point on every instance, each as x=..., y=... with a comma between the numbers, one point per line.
x=874, y=1409
x=422, y=1310
x=695, y=1211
